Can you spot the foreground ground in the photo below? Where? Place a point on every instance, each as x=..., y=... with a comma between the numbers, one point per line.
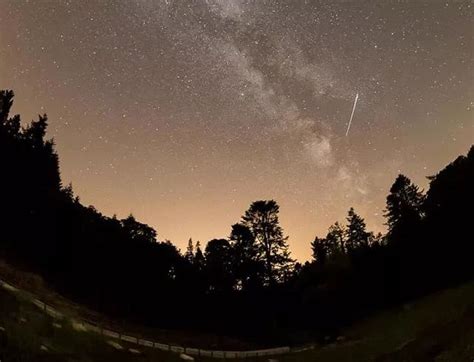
x=439, y=327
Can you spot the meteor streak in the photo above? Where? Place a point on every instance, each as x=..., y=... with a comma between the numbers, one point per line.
x=352, y=114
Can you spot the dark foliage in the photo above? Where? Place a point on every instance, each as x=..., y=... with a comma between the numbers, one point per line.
x=244, y=285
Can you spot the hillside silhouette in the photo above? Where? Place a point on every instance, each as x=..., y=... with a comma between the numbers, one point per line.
x=246, y=285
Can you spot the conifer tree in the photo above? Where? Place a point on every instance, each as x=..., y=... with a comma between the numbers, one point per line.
x=356, y=233
x=262, y=220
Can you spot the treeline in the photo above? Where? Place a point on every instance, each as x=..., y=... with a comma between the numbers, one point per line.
x=246, y=284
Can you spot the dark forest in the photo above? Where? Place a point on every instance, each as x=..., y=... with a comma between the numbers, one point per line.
x=246, y=285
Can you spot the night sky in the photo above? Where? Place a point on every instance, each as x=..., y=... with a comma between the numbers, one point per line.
x=184, y=112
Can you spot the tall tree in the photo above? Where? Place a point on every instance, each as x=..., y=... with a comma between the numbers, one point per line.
x=199, y=259
x=189, y=254
x=336, y=239
x=247, y=267
x=218, y=265
x=452, y=188
x=6, y=102
x=356, y=234
x=333, y=243
x=262, y=220
x=404, y=208
x=448, y=209
x=320, y=250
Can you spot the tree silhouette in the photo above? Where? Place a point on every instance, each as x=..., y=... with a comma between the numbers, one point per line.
x=356, y=235
x=451, y=188
x=29, y=182
x=247, y=267
x=218, y=265
x=334, y=243
x=138, y=231
x=199, y=259
x=403, y=208
x=189, y=254
x=6, y=102
x=448, y=216
x=36, y=131
x=262, y=220
x=319, y=250
x=336, y=239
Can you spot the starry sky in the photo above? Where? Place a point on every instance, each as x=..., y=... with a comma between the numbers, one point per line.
x=184, y=112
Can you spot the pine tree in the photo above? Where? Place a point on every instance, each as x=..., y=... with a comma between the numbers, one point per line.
x=320, y=252
x=199, y=259
x=356, y=234
x=189, y=254
x=404, y=207
x=6, y=102
x=335, y=239
x=36, y=131
x=262, y=220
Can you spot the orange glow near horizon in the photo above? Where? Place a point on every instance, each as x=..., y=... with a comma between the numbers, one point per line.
x=184, y=114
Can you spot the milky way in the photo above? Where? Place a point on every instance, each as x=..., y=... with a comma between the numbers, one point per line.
x=183, y=112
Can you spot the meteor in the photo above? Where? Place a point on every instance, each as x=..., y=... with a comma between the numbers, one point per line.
x=352, y=114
